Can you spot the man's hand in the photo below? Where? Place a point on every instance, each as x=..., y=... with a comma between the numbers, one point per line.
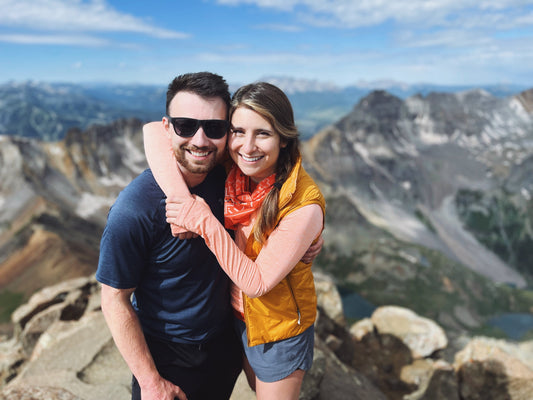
x=313, y=251
x=162, y=390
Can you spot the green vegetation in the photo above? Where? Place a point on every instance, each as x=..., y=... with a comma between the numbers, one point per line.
x=489, y=331
x=501, y=225
x=367, y=260
x=5, y=226
x=528, y=336
x=422, y=217
x=9, y=301
x=425, y=281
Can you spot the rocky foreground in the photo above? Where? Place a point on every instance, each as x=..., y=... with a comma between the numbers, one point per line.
x=62, y=350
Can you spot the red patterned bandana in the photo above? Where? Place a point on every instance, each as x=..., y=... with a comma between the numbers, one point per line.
x=239, y=203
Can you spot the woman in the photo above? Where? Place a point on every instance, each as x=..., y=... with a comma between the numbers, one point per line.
x=276, y=211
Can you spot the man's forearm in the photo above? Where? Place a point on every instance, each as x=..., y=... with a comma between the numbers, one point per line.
x=128, y=336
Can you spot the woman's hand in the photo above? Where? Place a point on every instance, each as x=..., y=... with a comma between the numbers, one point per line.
x=171, y=213
x=186, y=213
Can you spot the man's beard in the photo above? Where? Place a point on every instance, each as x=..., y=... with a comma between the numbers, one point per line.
x=196, y=166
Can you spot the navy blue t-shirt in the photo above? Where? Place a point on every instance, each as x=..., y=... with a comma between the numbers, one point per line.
x=181, y=292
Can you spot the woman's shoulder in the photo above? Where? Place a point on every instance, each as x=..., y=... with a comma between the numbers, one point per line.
x=301, y=189
x=306, y=183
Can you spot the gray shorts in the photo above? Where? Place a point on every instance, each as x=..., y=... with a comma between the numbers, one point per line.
x=274, y=361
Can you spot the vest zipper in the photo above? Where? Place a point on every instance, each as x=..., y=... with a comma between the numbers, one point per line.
x=295, y=302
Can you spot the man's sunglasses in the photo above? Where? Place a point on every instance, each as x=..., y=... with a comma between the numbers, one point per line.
x=187, y=127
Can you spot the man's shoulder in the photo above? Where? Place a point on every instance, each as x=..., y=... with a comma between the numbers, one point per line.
x=142, y=193
x=143, y=183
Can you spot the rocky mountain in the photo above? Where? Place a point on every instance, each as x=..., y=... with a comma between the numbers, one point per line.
x=429, y=205
x=54, y=198
x=422, y=188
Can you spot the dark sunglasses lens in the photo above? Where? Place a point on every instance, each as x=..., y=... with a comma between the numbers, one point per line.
x=215, y=129
x=185, y=127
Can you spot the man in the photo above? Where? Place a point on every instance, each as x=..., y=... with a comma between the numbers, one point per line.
x=176, y=332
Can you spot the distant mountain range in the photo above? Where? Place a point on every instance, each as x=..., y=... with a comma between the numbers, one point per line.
x=48, y=110
x=430, y=196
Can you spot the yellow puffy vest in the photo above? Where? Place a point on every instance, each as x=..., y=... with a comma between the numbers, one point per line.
x=290, y=307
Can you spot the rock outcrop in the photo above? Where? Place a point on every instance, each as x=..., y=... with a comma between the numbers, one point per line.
x=61, y=341
x=496, y=367
x=62, y=350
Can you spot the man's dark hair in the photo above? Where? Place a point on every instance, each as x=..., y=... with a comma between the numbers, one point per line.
x=204, y=84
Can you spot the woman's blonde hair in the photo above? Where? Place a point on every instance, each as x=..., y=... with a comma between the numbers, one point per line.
x=272, y=104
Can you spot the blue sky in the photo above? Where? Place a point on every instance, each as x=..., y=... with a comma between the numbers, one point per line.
x=338, y=41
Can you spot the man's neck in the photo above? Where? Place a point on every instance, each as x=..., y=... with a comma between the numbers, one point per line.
x=193, y=180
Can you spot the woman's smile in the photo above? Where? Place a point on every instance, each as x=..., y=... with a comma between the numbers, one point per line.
x=250, y=159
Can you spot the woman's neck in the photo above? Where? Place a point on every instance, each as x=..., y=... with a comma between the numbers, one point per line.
x=251, y=185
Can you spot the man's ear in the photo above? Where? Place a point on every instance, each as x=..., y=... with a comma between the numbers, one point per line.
x=167, y=125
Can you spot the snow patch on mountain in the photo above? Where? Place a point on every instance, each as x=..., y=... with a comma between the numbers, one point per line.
x=90, y=203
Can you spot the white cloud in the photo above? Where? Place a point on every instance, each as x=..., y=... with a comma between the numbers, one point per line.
x=353, y=14
x=453, y=41
x=449, y=39
x=257, y=58
x=79, y=40
x=479, y=64
x=76, y=15
x=277, y=4
x=280, y=28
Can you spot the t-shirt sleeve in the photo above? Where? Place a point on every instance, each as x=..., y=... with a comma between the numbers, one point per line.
x=122, y=247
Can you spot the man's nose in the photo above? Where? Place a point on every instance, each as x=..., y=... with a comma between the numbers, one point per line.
x=200, y=139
